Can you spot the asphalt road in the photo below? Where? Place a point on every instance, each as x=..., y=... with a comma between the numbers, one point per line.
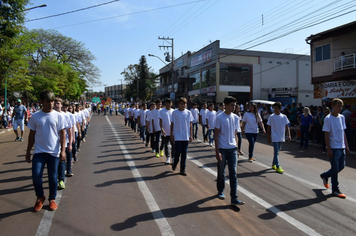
x=120, y=188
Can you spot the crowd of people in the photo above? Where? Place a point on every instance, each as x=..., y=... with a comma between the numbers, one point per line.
x=58, y=127
x=168, y=129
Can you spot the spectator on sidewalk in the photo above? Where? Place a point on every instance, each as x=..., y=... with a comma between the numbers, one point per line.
x=19, y=117
x=47, y=134
x=306, y=123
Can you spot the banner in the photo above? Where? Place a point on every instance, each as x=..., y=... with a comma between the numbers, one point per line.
x=335, y=89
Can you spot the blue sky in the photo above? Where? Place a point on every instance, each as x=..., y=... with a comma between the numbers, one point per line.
x=134, y=26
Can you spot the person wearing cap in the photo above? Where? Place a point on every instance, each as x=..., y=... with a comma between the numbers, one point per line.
x=19, y=116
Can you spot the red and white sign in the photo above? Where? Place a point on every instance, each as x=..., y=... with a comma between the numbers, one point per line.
x=335, y=89
x=208, y=90
x=201, y=59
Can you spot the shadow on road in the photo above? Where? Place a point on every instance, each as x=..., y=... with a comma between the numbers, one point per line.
x=296, y=204
x=171, y=213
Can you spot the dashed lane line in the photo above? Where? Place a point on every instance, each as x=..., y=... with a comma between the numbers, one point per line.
x=304, y=228
x=161, y=221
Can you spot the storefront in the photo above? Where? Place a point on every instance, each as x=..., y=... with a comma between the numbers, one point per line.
x=344, y=89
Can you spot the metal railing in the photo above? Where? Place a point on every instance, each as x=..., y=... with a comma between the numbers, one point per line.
x=345, y=62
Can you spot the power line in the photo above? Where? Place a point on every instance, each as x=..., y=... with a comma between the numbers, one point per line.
x=69, y=12
x=133, y=13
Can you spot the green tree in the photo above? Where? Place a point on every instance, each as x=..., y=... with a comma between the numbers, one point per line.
x=12, y=17
x=142, y=75
x=65, y=50
x=14, y=63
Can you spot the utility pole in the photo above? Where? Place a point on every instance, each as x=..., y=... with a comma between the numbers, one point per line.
x=172, y=47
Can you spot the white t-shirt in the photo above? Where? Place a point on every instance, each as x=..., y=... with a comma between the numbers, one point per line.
x=211, y=117
x=166, y=117
x=126, y=112
x=203, y=115
x=155, y=118
x=195, y=114
x=251, y=123
x=336, y=127
x=73, y=121
x=149, y=119
x=237, y=123
x=78, y=118
x=131, y=111
x=82, y=116
x=68, y=125
x=219, y=112
x=278, y=127
x=47, y=127
x=143, y=117
x=181, y=124
x=227, y=126
x=136, y=112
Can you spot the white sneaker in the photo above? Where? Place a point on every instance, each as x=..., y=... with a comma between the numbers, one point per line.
x=168, y=161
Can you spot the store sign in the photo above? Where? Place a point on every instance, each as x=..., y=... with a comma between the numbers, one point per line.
x=335, y=89
x=283, y=92
x=208, y=90
x=201, y=59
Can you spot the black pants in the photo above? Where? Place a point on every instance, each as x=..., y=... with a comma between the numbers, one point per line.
x=165, y=141
x=156, y=145
x=150, y=137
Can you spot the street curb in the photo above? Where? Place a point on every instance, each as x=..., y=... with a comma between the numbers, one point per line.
x=2, y=132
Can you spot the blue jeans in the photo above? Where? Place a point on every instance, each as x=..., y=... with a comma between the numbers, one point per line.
x=276, y=147
x=143, y=132
x=205, y=132
x=337, y=164
x=195, y=130
x=251, y=137
x=69, y=160
x=74, y=145
x=239, y=140
x=38, y=163
x=229, y=156
x=304, y=137
x=211, y=137
x=181, y=150
x=62, y=170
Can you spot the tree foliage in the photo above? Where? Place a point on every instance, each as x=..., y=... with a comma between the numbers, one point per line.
x=11, y=18
x=142, y=75
x=67, y=51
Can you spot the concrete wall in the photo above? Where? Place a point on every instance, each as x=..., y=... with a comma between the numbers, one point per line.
x=280, y=73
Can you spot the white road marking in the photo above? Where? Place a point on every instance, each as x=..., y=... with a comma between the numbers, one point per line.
x=294, y=177
x=304, y=228
x=161, y=221
x=46, y=221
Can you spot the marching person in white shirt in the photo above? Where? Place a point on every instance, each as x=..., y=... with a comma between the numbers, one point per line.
x=181, y=134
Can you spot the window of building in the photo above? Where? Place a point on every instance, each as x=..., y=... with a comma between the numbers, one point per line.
x=322, y=53
x=194, y=81
x=208, y=77
x=235, y=75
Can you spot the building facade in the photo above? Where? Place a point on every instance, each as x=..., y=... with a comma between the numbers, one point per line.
x=333, y=66
x=115, y=92
x=212, y=73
